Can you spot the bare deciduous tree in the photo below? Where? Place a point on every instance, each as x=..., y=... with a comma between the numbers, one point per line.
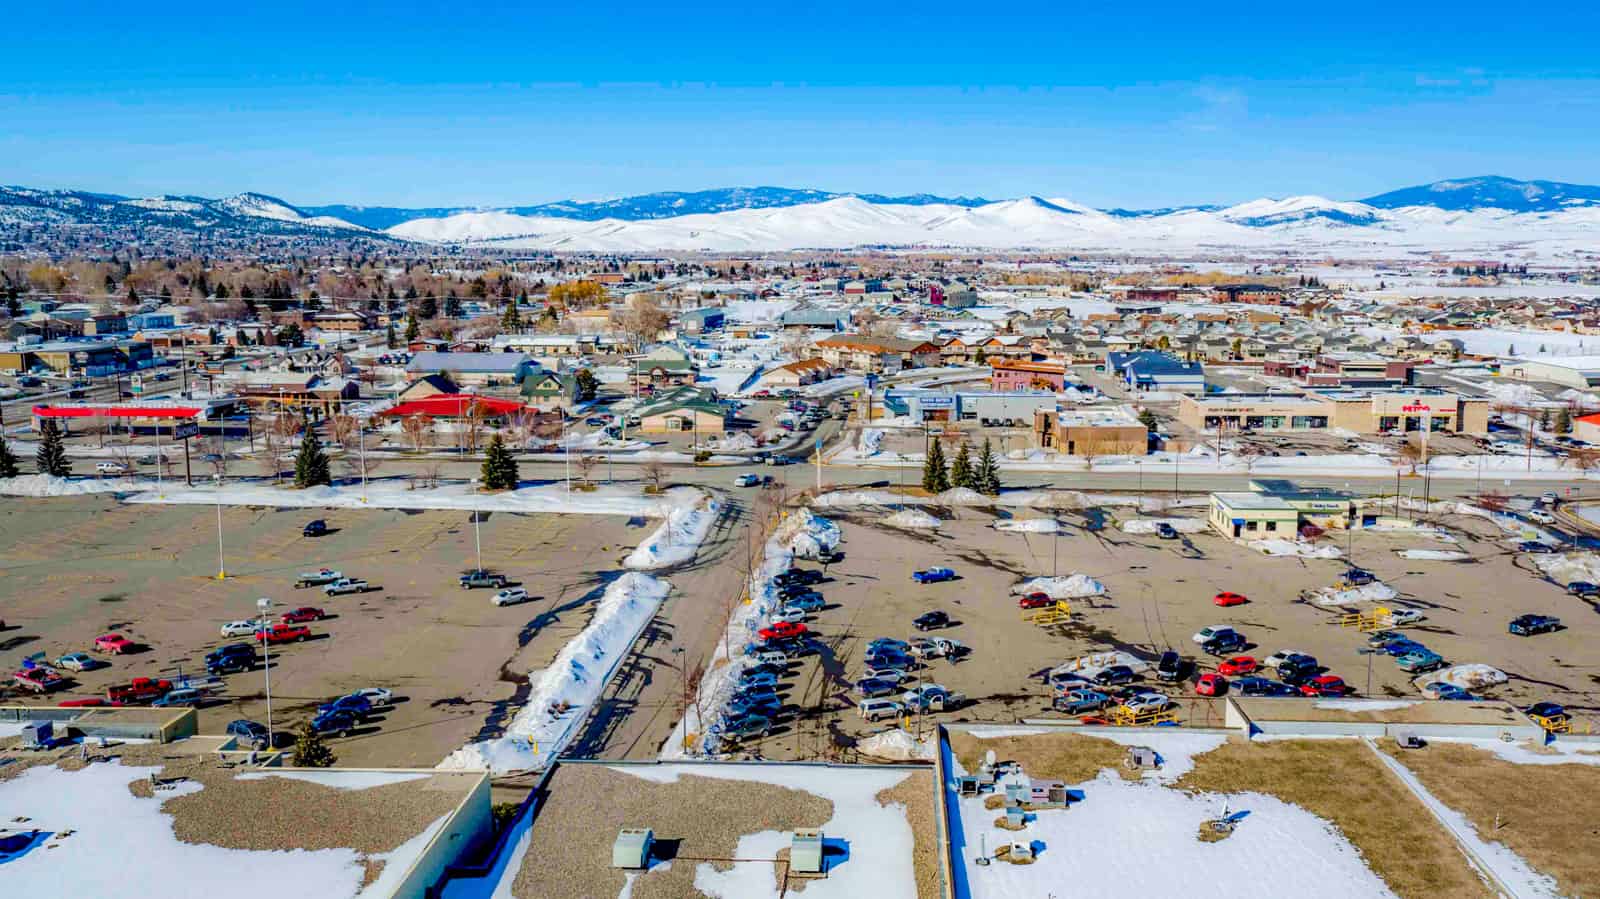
x=418, y=430
x=586, y=463
x=654, y=474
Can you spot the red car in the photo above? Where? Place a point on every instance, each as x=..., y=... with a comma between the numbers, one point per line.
x=1211, y=685
x=1238, y=665
x=1326, y=685
x=1227, y=598
x=1036, y=601
x=115, y=644
x=39, y=680
x=302, y=614
x=284, y=633
x=782, y=630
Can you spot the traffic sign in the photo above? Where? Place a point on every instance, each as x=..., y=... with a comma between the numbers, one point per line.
x=186, y=429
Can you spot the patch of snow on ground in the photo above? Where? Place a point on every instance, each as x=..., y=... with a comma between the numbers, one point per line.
x=1281, y=547
x=1028, y=525
x=871, y=441
x=897, y=745
x=1472, y=676
x=603, y=500
x=110, y=823
x=579, y=673
x=1149, y=525
x=879, y=864
x=1177, y=748
x=1141, y=839
x=677, y=540
x=1561, y=752
x=1070, y=587
x=912, y=518
x=1434, y=555
x=42, y=485
x=1377, y=591
x=1564, y=568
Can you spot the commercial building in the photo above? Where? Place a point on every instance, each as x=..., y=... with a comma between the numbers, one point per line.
x=73, y=357
x=796, y=374
x=1091, y=431
x=865, y=353
x=699, y=321
x=982, y=406
x=471, y=369
x=1582, y=372
x=685, y=409
x=1146, y=371
x=1253, y=516
x=1360, y=411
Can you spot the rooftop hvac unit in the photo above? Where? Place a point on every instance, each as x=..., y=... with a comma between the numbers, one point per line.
x=805, y=853
x=632, y=848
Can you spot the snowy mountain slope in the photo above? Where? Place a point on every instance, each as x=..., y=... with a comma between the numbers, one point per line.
x=1490, y=192
x=1265, y=213
x=245, y=212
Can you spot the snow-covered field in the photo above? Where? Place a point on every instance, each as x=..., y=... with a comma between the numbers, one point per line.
x=1281, y=547
x=1127, y=838
x=678, y=538
x=879, y=863
x=564, y=693
x=124, y=845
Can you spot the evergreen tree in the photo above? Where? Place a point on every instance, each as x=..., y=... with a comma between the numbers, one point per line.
x=8, y=460
x=961, y=471
x=988, y=471
x=511, y=320
x=412, y=328
x=311, y=463
x=935, y=479
x=428, y=307
x=587, y=384
x=499, y=466
x=1148, y=419
x=52, y=456
x=310, y=751
x=1544, y=420
x=1564, y=421
x=390, y=339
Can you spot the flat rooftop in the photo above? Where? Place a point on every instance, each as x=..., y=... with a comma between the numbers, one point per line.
x=1493, y=713
x=878, y=822
x=1253, y=502
x=150, y=820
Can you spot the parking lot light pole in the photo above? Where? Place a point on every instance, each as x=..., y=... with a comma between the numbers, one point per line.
x=264, y=605
x=222, y=568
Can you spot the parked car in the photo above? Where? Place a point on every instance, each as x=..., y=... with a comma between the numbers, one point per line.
x=183, y=696
x=1211, y=632
x=1237, y=665
x=284, y=633
x=1222, y=644
x=1358, y=577
x=929, y=621
x=871, y=687
x=79, y=661
x=888, y=659
x=876, y=709
x=335, y=723
x=140, y=689
x=242, y=628
x=751, y=677
x=1229, y=598
x=888, y=644
x=808, y=603
x=1035, y=601
x=768, y=705
x=933, y=575
x=1442, y=690
x=1166, y=531
x=781, y=630
x=113, y=644
x=302, y=615
x=1324, y=685
x=1540, y=516
x=1535, y=546
x=803, y=596
x=1146, y=702
x=1298, y=668
x=314, y=528
x=1583, y=588
x=249, y=733
x=510, y=596
x=1380, y=639
x=354, y=703
x=1080, y=701
x=753, y=691
x=1274, y=660
x=746, y=480
x=481, y=578
x=931, y=698
x=1112, y=675
x=1171, y=667
x=347, y=585
x=379, y=697
x=1211, y=684
x=1528, y=625
x=39, y=679
x=897, y=675
x=790, y=615
x=1398, y=648
x=110, y=468
x=318, y=578
x=799, y=576
x=1252, y=686
x=742, y=727
x=1420, y=661
x=1403, y=617
x=230, y=658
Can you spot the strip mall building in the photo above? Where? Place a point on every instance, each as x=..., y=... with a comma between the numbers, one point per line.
x=1360, y=411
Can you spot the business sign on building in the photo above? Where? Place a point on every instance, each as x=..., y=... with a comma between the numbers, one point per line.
x=186, y=430
x=937, y=402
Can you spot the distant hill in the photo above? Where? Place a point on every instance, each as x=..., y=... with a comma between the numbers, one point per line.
x=1490, y=192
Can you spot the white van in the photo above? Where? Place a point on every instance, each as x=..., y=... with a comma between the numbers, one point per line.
x=770, y=657
x=874, y=709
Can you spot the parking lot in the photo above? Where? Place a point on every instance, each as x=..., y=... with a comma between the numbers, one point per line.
x=76, y=568
x=1159, y=593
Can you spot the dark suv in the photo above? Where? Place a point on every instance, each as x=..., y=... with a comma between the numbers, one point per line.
x=1298, y=668
x=315, y=528
x=230, y=658
x=1171, y=668
x=482, y=578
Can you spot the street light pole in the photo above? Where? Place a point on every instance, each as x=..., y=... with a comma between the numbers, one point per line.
x=264, y=605
x=477, y=539
x=222, y=568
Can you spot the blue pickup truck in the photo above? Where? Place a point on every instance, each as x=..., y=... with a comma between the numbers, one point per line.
x=933, y=575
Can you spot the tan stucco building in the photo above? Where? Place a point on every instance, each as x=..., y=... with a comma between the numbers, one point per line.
x=1360, y=411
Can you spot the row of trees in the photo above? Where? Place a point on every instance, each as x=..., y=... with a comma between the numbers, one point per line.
x=982, y=474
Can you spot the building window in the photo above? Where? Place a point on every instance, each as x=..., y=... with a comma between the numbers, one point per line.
x=1250, y=525
x=1272, y=525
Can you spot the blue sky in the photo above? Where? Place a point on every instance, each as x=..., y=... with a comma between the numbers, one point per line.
x=1154, y=103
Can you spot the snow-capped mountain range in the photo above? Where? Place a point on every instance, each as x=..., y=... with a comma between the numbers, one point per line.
x=1489, y=215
